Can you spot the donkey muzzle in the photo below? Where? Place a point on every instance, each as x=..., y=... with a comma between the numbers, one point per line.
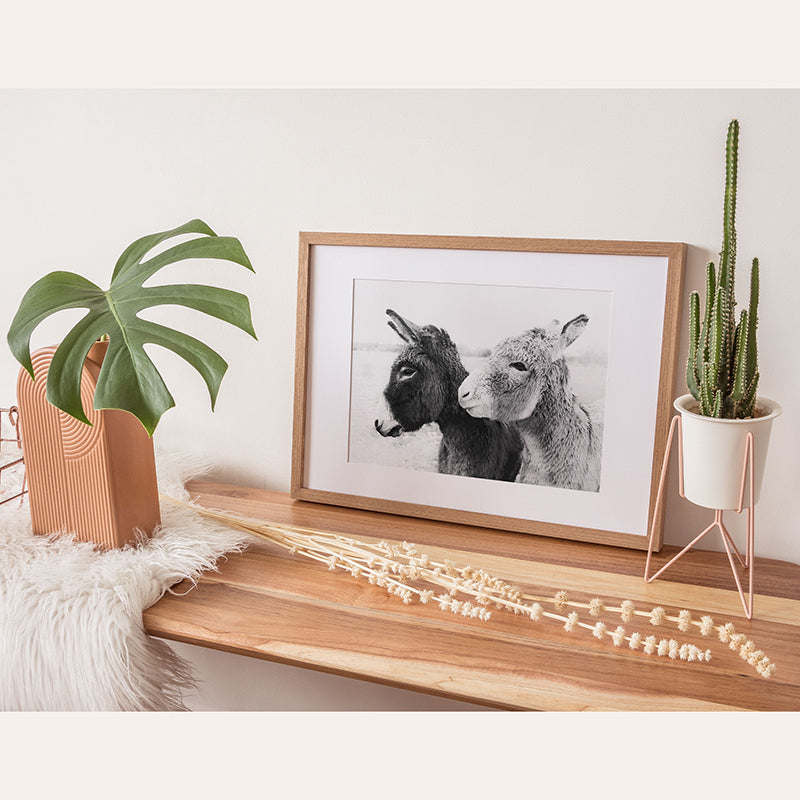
x=385, y=423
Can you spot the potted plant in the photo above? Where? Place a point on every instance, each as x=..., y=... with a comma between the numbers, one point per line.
x=722, y=374
x=89, y=406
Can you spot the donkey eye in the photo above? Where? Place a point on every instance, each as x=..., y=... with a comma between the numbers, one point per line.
x=518, y=365
x=404, y=373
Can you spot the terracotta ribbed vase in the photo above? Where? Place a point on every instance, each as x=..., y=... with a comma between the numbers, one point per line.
x=99, y=480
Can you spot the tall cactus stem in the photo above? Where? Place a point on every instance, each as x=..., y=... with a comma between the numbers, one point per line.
x=722, y=368
x=740, y=378
x=692, y=373
x=752, y=349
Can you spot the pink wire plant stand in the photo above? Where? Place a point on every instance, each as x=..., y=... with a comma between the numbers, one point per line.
x=13, y=418
x=747, y=479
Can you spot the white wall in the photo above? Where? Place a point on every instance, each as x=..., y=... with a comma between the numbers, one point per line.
x=83, y=173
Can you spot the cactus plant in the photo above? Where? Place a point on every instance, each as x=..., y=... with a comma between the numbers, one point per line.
x=722, y=369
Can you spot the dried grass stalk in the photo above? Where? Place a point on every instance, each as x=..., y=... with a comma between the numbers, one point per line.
x=412, y=576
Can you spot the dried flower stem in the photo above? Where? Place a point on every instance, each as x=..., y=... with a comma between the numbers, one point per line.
x=726, y=633
x=408, y=574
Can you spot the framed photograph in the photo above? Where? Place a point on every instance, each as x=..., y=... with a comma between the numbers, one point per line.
x=517, y=384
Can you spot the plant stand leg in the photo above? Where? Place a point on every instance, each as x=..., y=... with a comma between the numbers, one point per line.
x=748, y=562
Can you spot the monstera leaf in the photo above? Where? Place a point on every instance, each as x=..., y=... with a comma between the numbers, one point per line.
x=128, y=379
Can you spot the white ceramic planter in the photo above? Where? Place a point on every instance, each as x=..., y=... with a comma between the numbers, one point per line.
x=714, y=451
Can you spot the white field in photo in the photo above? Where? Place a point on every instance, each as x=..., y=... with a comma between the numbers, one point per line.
x=477, y=318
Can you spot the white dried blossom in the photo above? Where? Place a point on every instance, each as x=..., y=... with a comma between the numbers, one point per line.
x=746, y=650
x=725, y=632
x=572, y=621
x=618, y=635
x=596, y=607
x=673, y=649
x=736, y=641
x=535, y=612
x=706, y=625
x=635, y=641
x=684, y=620
x=425, y=596
x=599, y=630
x=627, y=610
x=765, y=668
x=657, y=616
x=650, y=645
x=560, y=601
x=663, y=647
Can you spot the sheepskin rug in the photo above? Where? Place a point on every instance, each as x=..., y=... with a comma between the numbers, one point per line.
x=71, y=631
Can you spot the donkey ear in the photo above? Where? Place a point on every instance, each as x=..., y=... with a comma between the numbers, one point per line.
x=405, y=329
x=569, y=333
x=554, y=327
x=573, y=329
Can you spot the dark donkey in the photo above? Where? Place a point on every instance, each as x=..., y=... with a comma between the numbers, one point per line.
x=423, y=387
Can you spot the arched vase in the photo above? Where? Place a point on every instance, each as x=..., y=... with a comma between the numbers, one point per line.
x=97, y=481
x=714, y=454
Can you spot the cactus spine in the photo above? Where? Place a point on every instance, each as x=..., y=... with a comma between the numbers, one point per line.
x=722, y=369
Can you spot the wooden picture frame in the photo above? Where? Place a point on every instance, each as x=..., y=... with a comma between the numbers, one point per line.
x=485, y=290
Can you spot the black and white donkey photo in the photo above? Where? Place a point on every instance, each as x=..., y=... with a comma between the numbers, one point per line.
x=502, y=383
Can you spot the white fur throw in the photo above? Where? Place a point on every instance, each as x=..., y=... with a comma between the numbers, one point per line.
x=71, y=631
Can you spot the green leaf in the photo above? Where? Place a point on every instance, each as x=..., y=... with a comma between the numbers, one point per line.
x=55, y=292
x=128, y=378
x=135, y=252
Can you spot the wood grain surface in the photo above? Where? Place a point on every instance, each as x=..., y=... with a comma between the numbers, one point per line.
x=270, y=604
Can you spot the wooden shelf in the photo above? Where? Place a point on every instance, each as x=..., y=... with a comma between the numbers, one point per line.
x=270, y=604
